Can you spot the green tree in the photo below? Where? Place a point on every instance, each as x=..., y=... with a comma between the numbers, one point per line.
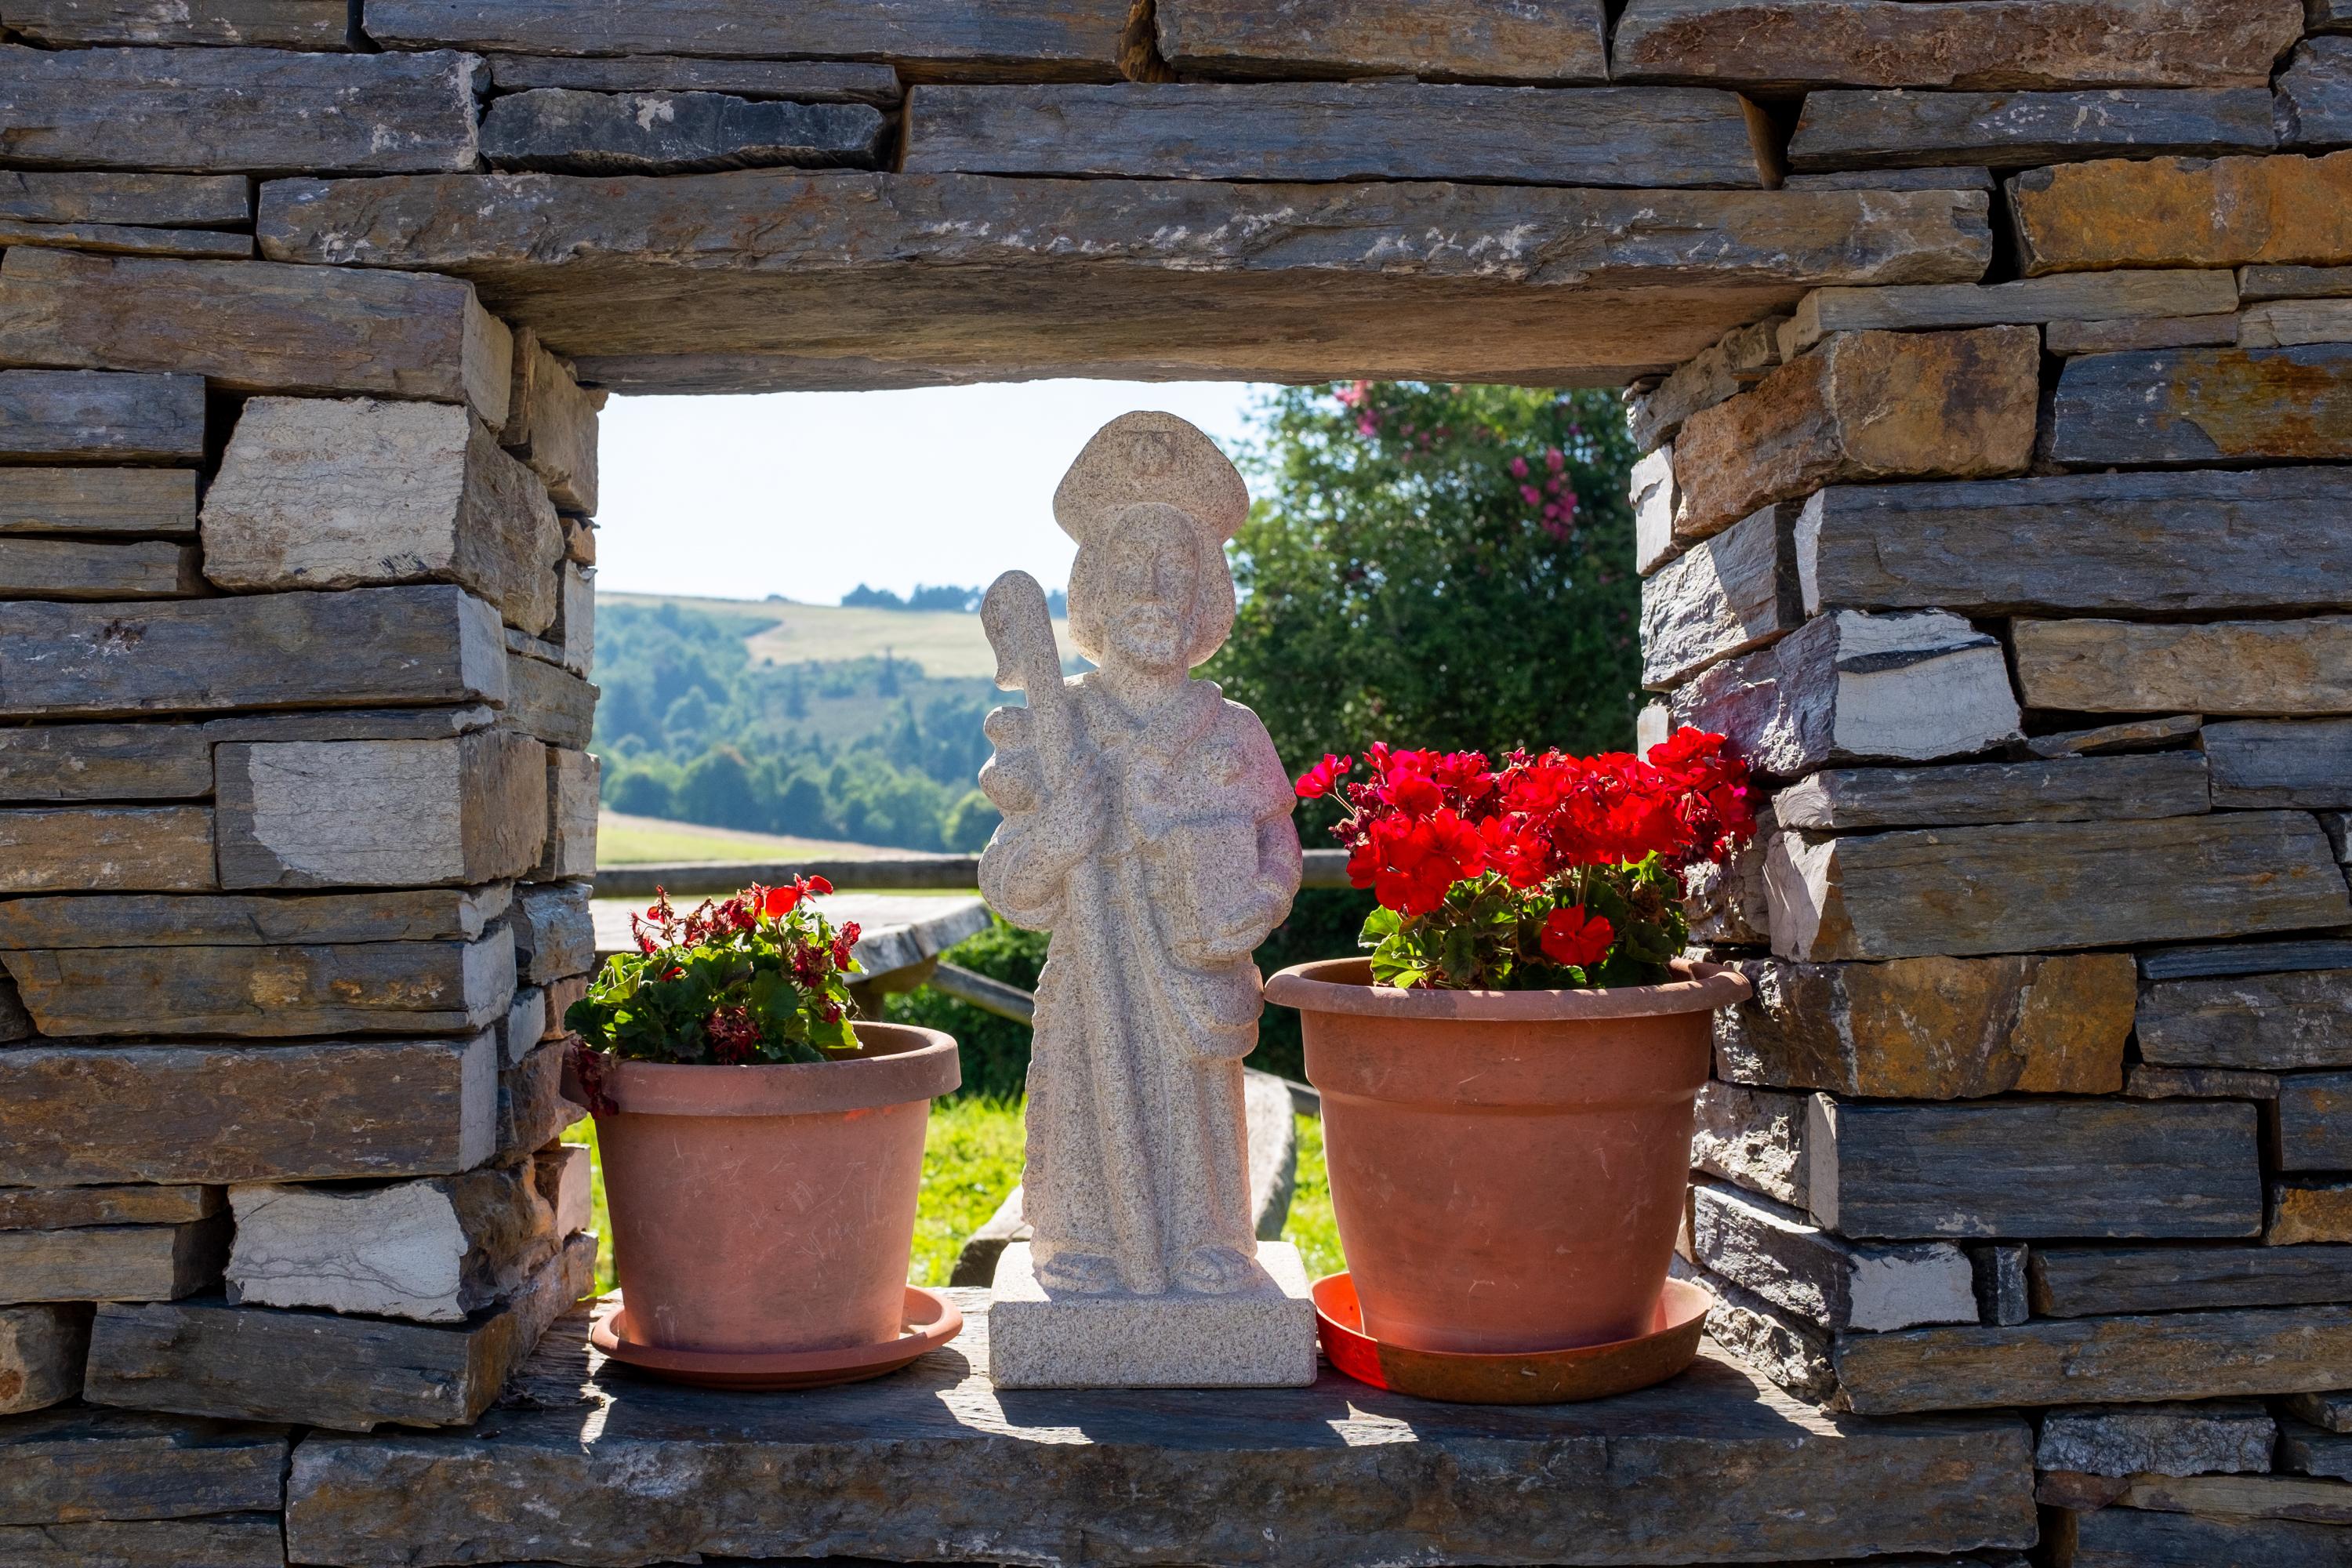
x=1436, y=565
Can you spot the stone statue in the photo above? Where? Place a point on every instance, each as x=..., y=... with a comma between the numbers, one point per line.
x=1147, y=826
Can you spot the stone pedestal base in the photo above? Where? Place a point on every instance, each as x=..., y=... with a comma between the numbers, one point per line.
x=1260, y=1337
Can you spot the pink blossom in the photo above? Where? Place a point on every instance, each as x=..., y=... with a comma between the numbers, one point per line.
x=1554, y=458
x=1533, y=496
x=1518, y=467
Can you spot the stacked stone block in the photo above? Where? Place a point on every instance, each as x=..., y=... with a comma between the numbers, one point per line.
x=2024, y=596
x=2027, y=600
x=289, y=873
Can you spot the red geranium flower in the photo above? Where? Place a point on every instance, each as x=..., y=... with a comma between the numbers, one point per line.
x=780, y=901
x=1319, y=780
x=1572, y=939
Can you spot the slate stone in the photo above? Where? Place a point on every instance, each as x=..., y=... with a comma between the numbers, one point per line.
x=2287, y=323
x=252, y=326
x=2307, y=1450
x=1932, y=1028
x=2042, y=886
x=79, y=415
x=154, y=502
x=2293, y=283
x=222, y=1540
x=573, y=781
x=2053, y=1169
x=2067, y=338
x=2250, y=667
x=216, y=1114
x=78, y=568
x=1773, y=1341
x=1555, y=42
x=2232, y=1436
x=198, y=201
x=376, y=988
x=1849, y=129
x=2069, y=789
x=1992, y=44
x=555, y=935
x=2259, y=763
x=720, y=295
x=1644, y=137
x=2314, y=94
x=2182, y=212
x=2331, y=1411
x=55, y=1208
x=204, y=1357
x=802, y=81
x=2091, y=296
x=1752, y=1137
x=1727, y=595
x=113, y=1262
x=2314, y=1127
x=1893, y=180
x=106, y=849
x=551, y=427
x=2305, y=1210
x=2124, y=1360
x=2204, y=406
x=66, y=1466
x=118, y=239
x=433, y=643
x=547, y=702
x=1036, y=40
x=1999, y=1280
x=562, y=131
x=1865, y=407
x=2139, y=1538
x=1734, y=364
x=2264, y=1022
x=2146, y=1082
x=1197, y=1466
x=251, y=24
x=2243, y=1498
x=1850, y=687
x=2132, y=735
x=422, y=914
x=2115, y=542
x=2100, y=1281
x=42, y=1348
x=1823, y=1279
x=248, y=110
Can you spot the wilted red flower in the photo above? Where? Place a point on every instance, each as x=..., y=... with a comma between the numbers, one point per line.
x=1573, y=940
x=734, y=1038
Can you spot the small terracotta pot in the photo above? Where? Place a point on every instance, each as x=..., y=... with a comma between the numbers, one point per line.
x=770, y=1207
x=1507, y=1167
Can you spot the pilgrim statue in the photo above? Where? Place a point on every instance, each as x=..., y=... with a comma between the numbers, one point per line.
x=1147, y=826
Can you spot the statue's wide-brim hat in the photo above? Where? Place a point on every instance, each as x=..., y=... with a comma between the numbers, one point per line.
x=1150, y=456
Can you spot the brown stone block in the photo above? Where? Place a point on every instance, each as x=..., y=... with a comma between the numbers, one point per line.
x=108, y=849
x=2305, y=1210
x=2204, y=406
x=1556, y=42
x=147, y=501
x=572, y=781
x=2164, y=1356
x=1863, y=407
x=251, y=919
x=320, y=1369
x=2067, y=338
x=223, y=1541
x=256, y=326
x=243, y=110
x=2315, y=1121
x=393, y=987
x=551, y=425
x=1933, y=1028
x=250, y=24
x=56, y=1208
x=92, y=416
x=216, y=1114
x=2087, y=297
x=2218, y=668
x=2185, y=212
x=75, y=1465
x=1991, y=45
x=550, y=702
x=115, y=239
x=81, y=569
x=171, y=201
x=113, y=1262
x=2042, y=886
x=42, y=1349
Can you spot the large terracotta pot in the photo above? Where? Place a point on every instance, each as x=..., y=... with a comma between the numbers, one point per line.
x=770, y=1207
x=1507, y=1167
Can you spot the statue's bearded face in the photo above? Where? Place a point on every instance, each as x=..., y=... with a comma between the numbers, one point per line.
x=1154, y=574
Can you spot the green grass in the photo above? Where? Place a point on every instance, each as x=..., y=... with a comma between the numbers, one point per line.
x=944, y=643
x=624, y=840
x=972, y=1158
x=1311, y=1227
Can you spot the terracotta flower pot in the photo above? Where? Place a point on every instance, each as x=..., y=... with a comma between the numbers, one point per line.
x=770, y=1207
x=1507, y=1167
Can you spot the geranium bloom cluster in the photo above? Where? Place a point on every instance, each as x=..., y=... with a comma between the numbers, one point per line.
x=1548, y=870
x=759, y=977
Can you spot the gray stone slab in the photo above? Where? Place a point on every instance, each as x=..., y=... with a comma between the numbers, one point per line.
x=152, y=503
x=2143, y=1538
x=95, y=416
x=248, y=24
x=1335, y=1474
x=2070, y=789
x=2315, y=96
x=249, y=109
x=170, y=201
x=1726, y=595
x=2230, y=1438
x=2096, y=1281
x=1893, y=180
x=2125, y=542
x=802, y=81
x=1849, y=129
x=2315, y=1121
x=1315, y=130
x=2293, y=283
x=121, y=240
x=2202, y=406
x=66, y=1465
x=1556, y=42
x=2305, y=1449
x=2270, y=762
x=2264, y=1022
x=221, y=1541
x=2068, y=297
x=2034, y=1169
x=2244, y=958
x=559, y=131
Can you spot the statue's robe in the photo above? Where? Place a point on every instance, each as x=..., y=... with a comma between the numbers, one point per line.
x=1137, y=1157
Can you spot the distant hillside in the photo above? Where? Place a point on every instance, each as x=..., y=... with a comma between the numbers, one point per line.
x=777, y=631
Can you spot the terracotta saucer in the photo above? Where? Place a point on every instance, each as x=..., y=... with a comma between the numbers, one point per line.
x=1535, y=1377
x=930, y=1321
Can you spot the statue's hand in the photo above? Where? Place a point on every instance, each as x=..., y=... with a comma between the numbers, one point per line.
x=1071, y=822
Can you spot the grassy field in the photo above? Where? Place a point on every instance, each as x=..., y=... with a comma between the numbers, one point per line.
x=625, y=840
x=778, y=632
x=972, y=1158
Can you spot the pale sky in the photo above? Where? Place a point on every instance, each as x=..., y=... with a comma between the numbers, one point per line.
x=807, y=494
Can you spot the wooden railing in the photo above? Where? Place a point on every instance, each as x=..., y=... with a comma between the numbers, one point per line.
x=698, y=878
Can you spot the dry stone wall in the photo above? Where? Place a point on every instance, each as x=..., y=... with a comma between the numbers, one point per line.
x=1994, y=367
